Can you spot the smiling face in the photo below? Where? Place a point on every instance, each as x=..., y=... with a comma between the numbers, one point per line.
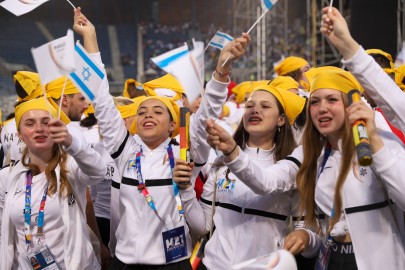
x=262, y=115
x=34, y=131
x=153, y=122
x=327, y=110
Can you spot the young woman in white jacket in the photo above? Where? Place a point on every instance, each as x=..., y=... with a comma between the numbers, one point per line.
x=42, y=197
x=248, y=225
x=152, y=231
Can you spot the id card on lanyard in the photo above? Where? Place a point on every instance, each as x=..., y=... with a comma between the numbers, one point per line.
x=174, y=240
x=40, y=257
x=325, y=251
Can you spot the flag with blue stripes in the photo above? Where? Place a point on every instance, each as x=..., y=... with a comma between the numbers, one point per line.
x=220, y=39
x=268, y=4
x=88, y=76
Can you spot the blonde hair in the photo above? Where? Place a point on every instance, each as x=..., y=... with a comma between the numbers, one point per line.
x=313, y=143
x=59, y=157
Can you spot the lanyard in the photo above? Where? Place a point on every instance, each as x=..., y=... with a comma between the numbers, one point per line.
x=27, y=212
x=142, y=188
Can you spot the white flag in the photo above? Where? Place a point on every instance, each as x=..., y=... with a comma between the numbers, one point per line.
x=219, y=40
x=88, y=76
x=20, y=7
x=54, y=59
x=268, y=4
x=182, y=64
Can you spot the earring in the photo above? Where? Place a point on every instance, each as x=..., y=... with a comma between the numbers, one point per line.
x=278, y=128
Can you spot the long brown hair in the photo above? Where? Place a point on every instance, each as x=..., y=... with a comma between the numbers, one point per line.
x=313, y=143
x=59, y=157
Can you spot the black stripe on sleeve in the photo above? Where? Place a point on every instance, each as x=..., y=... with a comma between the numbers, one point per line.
x=121, y=148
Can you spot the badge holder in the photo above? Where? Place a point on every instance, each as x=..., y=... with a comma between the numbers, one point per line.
x=41, y=258
x=175, y=244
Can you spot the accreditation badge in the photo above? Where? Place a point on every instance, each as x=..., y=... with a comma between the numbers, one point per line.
x=174, y=243
x=324, y=255
x=42, y=258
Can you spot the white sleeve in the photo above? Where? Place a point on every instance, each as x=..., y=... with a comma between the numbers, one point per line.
x=379, y=86
x=279, y=177
x=211, y=107
x=388, y=165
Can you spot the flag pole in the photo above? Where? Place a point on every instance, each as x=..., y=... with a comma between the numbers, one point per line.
x=331, y=5
x=250, y=29
x=71, y=4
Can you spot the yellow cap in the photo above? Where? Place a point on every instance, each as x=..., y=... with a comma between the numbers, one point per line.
x=292, y=103
x=138, y=85
x=312, y=72
x=54, y=88
x=284, y=82
x=31, y=84
x=167, y=81
x=386, y=55
x=290, y=64
x=171, y=106
x=243, y=88
x=399, y=76
x=339, y=80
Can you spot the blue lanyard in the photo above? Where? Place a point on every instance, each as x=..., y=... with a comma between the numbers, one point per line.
x=142, y=188
x=27, y=211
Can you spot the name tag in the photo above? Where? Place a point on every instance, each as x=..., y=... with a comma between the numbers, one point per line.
x=174, y=243
x=42, y=258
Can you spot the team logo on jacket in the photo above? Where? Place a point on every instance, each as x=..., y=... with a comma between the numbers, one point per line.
x=71, y=199
x=226, y=185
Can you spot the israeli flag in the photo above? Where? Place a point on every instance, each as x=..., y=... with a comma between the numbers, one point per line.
x=219, y=40
x=88, y=76
x=268, y=4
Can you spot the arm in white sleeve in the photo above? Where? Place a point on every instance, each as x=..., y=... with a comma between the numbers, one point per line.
x=109, y=119
x=211, y=107
x=379, y=86
x=279, y=177
x=88, y=166
x=388, y=165
x=298, y=224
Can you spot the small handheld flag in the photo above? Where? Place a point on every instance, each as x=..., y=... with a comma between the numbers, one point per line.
x=198, y=253
x=88, y=76
x=184, y=134
x=20, y=7
x=219, y=40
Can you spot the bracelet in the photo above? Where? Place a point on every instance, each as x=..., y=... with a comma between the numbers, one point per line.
x=227, y=154
x=221, y=74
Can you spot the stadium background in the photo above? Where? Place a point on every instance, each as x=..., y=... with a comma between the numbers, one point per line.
x=130, y=32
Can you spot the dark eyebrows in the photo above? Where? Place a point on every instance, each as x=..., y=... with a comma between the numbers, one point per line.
x=154, y=107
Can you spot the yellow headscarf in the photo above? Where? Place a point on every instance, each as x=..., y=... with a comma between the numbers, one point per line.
x=284, y=82
x=138, y=85
x=31, y=84
x=171, y=106
x=1, y=119
x=339, y=80
x=167, y=81
x=244, y=88
x=312, y=72
x=386, y=55
x=399, y=76
x=54, y=88
x=290, y=64
x=34, y=104
x=292, y=103
x=89, y=110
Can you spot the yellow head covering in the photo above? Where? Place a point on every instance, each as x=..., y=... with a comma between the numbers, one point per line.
x=290, y=64
x=243, y=88
x=138, y=85
x=292, y=103
x=339, y=80
x=225, y=111
x=31, y=84
x=167, y=81
x=171, y=106
x=89, y=110
x=54, y=88
x=312, y=72
x=400, y=76
x=386, y=55
x=33, y=104
x=284, y=82
x=1, y=119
